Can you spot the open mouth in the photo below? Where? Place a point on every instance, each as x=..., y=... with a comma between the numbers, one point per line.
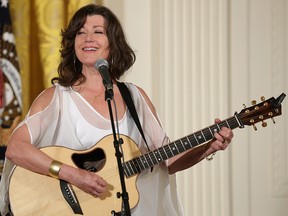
x=90, y=49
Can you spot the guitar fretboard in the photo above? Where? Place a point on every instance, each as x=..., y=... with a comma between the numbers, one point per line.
x=148, y=160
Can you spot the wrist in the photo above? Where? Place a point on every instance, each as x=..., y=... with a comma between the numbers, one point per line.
x=209, y=157
x=54, y=169
x=209, y=153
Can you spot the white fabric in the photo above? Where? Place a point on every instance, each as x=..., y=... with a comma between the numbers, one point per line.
x=69, y=120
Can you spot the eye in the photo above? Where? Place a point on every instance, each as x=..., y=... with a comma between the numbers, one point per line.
x=99, y=32
x=80, y=32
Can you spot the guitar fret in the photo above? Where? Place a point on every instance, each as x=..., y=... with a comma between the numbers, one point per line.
x=150, y=160
x=154, y=158
x=193, y=141
x=158, y=156
x=199, y=137
x=222, y=124
x=171, y=150
x=207, y=134
x=139, y=162
x=175, y=149
x=168, y=150
x=185, y=143
x=131, y=168
x=203, y=135
x=215, y=129
x=191, y=145
x=196, y=139
x=237, y=122
x=136, y=167
x=126, y=173
x=146, y=161
x=163, y=150
x=212, y=134
x=163, y=154
x=127, y=170
x=227, y=124
x=180, y=145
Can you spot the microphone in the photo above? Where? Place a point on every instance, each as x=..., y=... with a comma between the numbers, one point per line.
x=102, y=66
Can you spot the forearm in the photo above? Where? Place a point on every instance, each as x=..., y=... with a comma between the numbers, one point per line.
x=189, y=158
x=26, y=155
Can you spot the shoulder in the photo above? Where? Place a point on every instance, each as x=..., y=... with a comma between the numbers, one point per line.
x=42, y=100
x=146, y=98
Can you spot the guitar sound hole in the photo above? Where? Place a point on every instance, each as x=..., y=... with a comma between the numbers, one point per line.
x=92, y=161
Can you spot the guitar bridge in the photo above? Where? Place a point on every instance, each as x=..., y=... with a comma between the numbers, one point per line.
x=70, y=197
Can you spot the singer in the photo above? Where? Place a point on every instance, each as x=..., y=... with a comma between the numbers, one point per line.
x=73, y=115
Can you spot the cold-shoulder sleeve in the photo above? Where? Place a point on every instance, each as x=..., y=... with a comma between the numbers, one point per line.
x=42, y=125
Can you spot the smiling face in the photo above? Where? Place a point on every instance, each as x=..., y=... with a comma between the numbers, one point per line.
x=91, y=42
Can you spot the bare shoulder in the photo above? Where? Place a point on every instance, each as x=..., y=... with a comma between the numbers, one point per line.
x=42, y=100
x=147, y=99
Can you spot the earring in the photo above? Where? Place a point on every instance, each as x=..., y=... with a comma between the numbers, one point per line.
x=74, y=62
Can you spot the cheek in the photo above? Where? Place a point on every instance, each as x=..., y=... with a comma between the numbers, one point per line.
x=76, y=48
x=107, y=48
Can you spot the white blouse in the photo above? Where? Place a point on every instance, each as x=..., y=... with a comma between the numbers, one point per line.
x=69, y=120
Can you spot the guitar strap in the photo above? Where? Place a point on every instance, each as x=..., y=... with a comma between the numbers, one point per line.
x=129, y=102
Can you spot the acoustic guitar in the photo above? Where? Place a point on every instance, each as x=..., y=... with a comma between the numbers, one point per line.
x=35, y=194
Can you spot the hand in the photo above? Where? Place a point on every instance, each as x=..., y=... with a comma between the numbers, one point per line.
x=92, y=183
x=89, y=182
x=222, y=138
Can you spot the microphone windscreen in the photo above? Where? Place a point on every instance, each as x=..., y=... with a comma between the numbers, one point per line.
x=101, y=62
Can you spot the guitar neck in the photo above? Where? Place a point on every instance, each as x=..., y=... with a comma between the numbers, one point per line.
x=150, y=159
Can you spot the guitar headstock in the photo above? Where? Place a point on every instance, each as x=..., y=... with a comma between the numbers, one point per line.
x=267, y=109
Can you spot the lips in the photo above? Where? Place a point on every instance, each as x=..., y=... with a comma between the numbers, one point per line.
x=90, y=49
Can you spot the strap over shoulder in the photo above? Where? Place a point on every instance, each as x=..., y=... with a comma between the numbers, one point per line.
x=126, y=95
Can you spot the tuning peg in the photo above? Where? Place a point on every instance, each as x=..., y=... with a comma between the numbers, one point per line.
x=253, y=102
x=273, y=120
x=262, y=98
x=254, y=126
x=264, y=124
x=244, y=106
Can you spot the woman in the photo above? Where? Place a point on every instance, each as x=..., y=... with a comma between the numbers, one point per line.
x=73, y=113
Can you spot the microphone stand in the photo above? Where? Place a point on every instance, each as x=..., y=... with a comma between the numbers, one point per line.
x=125, y=210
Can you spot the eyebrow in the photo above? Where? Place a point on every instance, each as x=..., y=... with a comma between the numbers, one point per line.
x=95, y=26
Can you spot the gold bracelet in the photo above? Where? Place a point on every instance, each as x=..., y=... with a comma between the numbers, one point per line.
x=209, y=158
x=54, y=168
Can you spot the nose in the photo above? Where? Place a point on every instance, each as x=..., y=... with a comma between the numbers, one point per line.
x=89, y=38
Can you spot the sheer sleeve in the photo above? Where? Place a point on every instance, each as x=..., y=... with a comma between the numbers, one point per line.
x=42, y=125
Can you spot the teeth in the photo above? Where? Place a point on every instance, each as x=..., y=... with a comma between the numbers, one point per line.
x=90, y=49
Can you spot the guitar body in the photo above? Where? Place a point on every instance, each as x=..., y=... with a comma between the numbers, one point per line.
x=34, y=194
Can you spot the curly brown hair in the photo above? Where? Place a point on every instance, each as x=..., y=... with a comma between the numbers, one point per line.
x=121, y=56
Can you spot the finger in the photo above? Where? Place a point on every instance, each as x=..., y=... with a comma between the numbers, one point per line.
x=100, y=188
x=217, y=120
x=226, y=133
x=101, y=182
x=219, y=137
x=95, y=194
